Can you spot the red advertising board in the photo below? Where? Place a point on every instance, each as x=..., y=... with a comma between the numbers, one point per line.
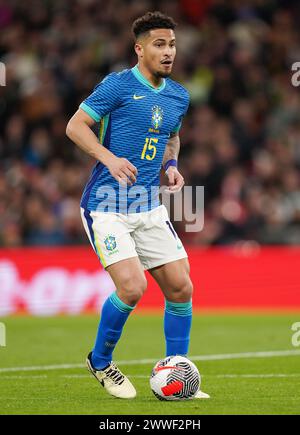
x=50, y=281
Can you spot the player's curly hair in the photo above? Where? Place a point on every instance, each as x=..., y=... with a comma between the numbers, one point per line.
x=150, y=21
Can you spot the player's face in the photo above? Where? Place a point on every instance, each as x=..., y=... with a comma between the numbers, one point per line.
x=159, y=51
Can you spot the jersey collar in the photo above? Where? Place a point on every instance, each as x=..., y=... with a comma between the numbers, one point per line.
x=136, y=72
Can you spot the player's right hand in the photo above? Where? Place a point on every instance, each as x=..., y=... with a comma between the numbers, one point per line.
x=122, y=170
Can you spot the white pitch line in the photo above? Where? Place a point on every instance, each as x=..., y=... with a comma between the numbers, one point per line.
x=219, y=376
x=38, y=368
x=263, y=354
x=226, y=375
x=258, y=375
x=217, y=357
x=24, y=377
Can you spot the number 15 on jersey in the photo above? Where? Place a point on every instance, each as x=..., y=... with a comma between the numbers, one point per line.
x=149, y=150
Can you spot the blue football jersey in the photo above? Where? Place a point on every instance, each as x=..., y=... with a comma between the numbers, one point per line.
x=136, y=121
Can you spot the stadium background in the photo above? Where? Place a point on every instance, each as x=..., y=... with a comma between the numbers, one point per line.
x=240, y=139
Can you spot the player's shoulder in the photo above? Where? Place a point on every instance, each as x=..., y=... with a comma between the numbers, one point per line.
x=114, y=79
x=178, y=88
x=118, y=76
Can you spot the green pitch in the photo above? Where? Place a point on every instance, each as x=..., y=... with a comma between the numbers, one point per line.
x=248, y=383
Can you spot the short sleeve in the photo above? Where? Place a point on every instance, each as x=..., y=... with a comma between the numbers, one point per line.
x=186, y=106
x=104, y=99
x=177, y=128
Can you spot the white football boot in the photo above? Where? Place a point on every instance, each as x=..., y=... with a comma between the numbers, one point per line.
x=201, y=395
x=113, y=380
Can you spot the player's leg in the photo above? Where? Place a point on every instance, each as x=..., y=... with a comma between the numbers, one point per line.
x=130, y=282
x=162, y=253
x=174, y=281
x=129, y=279
x=112, y=242
x=110, y=236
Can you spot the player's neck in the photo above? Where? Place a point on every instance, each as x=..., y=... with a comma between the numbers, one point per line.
x=154, y=81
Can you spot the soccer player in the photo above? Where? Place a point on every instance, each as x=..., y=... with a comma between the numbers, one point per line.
x=140, y=112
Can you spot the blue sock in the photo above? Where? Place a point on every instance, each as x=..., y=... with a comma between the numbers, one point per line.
x=177, y=326
x=113, y=317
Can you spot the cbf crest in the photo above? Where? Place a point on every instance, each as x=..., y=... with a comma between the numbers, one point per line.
x=110, y=243
x=157, y=116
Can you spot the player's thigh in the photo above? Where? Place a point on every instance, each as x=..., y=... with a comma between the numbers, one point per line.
x=156, y=241
x=109, y=235
x=129, y=279
x=112, y=241
x=174, y=280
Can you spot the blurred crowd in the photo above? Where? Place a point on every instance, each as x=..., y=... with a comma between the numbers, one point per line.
x=240, y=139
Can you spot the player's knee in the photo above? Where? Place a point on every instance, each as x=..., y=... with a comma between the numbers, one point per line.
x=133, y=289
x=187, y=290
x=183, y=290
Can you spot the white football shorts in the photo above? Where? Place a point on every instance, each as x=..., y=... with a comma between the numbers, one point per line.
x=148, y=235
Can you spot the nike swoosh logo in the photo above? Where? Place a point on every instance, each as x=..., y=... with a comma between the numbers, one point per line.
x=138, y=97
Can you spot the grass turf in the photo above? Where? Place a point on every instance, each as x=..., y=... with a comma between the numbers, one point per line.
x=236, y=386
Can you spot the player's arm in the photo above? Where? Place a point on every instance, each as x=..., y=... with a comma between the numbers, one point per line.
x=176, y=180
x=80, y=132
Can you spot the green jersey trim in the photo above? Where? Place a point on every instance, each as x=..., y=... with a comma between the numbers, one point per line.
x=139, y=76
x=94, y=115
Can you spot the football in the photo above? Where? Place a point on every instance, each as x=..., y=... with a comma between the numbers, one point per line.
x=175, y=378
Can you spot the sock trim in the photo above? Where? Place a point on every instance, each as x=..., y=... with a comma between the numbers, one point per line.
x=120, y=305
x=178, y=308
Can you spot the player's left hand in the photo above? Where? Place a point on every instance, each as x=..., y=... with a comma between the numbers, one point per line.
x=176, y=180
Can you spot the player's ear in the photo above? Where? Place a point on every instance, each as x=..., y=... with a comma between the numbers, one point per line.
x=139, y=49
